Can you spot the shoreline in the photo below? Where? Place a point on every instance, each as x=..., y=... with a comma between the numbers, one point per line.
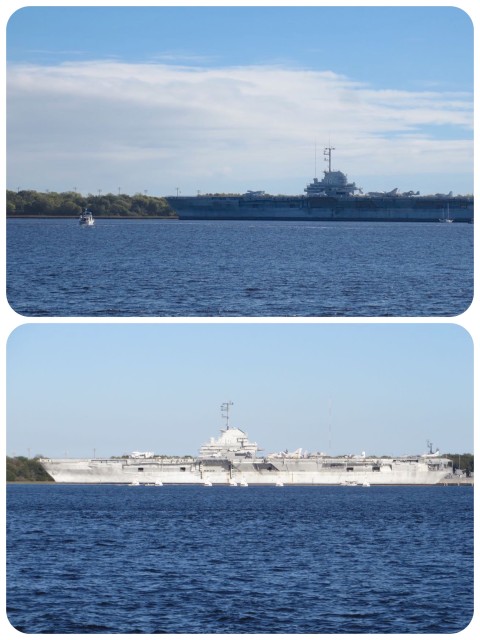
x=450, y=482
x=237, y=219
x=62, y=217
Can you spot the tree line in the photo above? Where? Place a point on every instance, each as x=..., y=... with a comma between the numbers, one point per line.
x=22, y=469
x=462, y=461
x=71, y=203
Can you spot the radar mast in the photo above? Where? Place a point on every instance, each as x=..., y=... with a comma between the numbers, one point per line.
x=225, y=408
x=327, y=152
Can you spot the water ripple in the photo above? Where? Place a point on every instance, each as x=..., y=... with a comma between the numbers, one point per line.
x=178, y=560
x=206, y=269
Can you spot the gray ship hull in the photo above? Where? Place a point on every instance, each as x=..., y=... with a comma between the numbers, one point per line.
x=302, y=208
x=258, y=471
x=233, y=459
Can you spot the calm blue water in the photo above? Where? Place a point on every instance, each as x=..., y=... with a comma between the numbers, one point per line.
x=118, y=559
x=205, y=268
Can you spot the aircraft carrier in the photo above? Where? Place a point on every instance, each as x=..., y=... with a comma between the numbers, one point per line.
x=231, y=459
x=331, y=199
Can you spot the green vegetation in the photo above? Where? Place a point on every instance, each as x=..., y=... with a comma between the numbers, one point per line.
x=70, y=203
x=463, y=461
x=21, y=469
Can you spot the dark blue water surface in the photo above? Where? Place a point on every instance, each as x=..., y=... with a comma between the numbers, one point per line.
x=205, y=268
x=119, y=559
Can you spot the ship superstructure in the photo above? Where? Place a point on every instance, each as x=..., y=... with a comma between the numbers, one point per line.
x=333, y=198
x=334, y=184
x=231, y=459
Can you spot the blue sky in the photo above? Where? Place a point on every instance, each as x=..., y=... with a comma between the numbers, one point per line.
x=229, y=99
x=345, y=388
x=346, y=40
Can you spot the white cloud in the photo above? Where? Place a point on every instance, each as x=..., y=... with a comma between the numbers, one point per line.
x=100, y=125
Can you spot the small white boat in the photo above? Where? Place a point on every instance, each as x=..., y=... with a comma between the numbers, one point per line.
x=243, y=483
x=86, y=218
x=158, y=483
x=135, y=483
x=207, y=483
x=365, y=483
x=233, y=483
x=279, y=484
x=446, y=217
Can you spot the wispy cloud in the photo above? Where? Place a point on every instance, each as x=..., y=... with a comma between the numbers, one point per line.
x=158, y=126
x=58, y=53
x=181, y=58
